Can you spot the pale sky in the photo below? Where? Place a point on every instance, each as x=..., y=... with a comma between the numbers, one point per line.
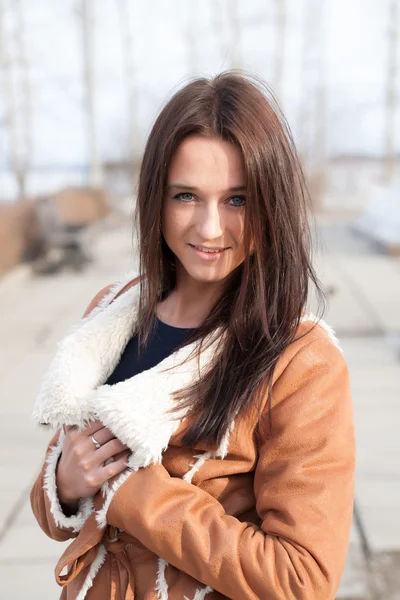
x=353, y=46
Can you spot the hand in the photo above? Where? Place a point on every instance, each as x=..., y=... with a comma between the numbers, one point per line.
x=81, y=470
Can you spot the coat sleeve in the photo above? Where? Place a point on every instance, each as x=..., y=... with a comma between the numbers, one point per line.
x=303, y=485
x=44, y=498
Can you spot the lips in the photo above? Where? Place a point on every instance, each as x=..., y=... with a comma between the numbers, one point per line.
x=208, y=256
x=207, y=250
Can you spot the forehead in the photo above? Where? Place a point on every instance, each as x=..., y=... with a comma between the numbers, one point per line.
x=204, y=161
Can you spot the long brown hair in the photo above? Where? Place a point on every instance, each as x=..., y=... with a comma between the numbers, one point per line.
x=264, y=298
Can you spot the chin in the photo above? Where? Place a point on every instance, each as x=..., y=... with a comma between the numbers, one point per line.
x=205, y=275
x=204, y=278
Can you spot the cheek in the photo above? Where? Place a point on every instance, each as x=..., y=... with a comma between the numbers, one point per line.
x=237, y=230
x=167, y=220
x=175, y=219
x=236, y=226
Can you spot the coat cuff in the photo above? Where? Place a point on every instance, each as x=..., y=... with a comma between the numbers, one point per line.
x=109, y=493
x=85, y=505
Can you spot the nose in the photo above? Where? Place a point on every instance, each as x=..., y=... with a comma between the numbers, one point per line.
x=209, y=222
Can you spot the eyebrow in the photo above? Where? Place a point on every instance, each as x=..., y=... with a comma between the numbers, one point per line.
x=236, y=188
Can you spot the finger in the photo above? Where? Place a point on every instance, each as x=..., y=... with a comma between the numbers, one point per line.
x=92, y=427
x=122, y=454
x=109, y=449
x=102, y=436
x=68, y=428
x=114, y=468
x=126, y=458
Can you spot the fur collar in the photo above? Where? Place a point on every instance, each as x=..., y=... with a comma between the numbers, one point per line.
x=73, y=391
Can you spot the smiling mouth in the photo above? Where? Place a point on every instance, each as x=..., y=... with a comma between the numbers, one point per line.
x=208, y=250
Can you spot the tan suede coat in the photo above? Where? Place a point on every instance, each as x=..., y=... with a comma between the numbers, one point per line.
x=253, y=519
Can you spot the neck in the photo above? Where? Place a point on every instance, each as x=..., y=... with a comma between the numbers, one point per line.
x=189, y=303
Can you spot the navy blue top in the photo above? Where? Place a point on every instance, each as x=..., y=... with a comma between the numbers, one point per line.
x=162, y=342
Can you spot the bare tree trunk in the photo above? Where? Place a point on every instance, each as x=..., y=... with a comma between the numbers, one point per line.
x=312, y=111
x=303, y=120
x=96, y=175
x=134, y=142
x=26, y=103
x=321, y=115
x=219, y=30
x=280, y=6
x=391, y=95
x=10, y=104
x=17, y=98
x=190, y=29
x=235, y=31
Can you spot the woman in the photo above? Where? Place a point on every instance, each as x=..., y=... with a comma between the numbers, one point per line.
x=204, y=443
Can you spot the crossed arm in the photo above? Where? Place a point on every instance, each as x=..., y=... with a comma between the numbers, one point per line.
x=304, y=495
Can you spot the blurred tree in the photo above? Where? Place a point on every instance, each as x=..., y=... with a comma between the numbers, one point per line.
x=134, y=141
x=280, y=49
x=392, y=101
x=189, y=24
x=96, y=173
x=235, y=30
x=219, y=30
x=312, y=121
x=17, y=92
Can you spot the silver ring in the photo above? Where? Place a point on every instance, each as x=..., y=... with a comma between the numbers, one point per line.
x=96, y=443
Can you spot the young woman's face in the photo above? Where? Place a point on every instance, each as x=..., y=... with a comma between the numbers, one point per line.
x=204, y=207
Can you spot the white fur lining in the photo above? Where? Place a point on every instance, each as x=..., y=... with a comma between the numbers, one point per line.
x=85, y=504
x=136, y=409
x=73, y=390
x=201, y=593
x=101, y=515
x=161, y=582
x=93, y=570
x=83, y=361
x=221, y=452
x=201, y=459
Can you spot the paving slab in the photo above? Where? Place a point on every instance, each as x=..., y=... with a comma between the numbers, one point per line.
x=35, y=543
x=368, y=352
x=31, y=579
x=353, y=584
x=346, y=311
x=377, y=278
